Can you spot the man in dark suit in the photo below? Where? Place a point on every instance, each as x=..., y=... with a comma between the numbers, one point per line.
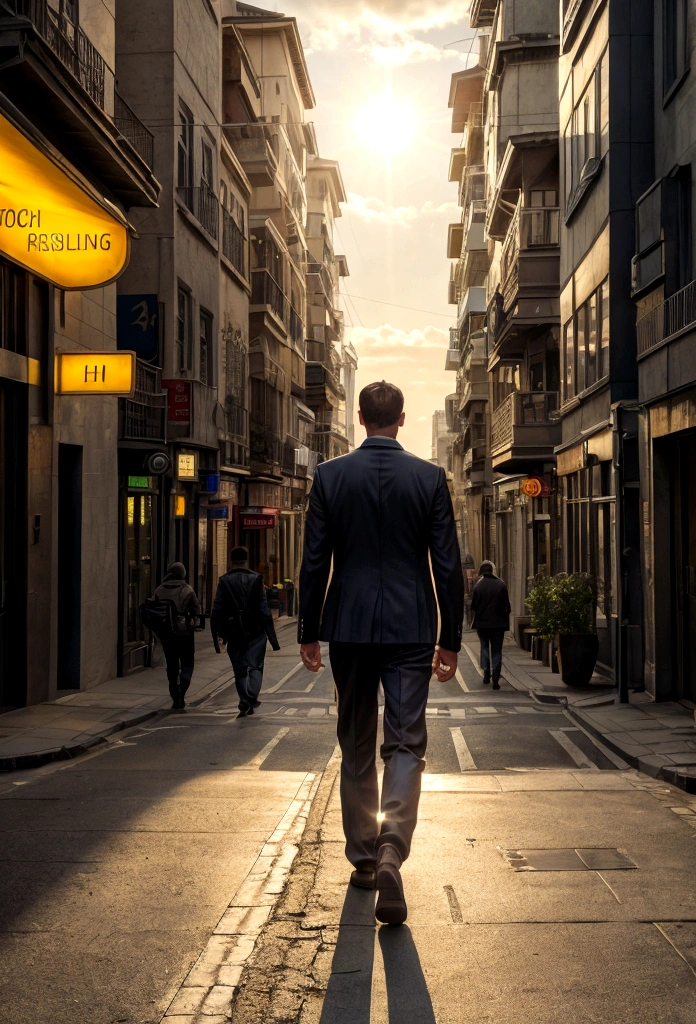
x=384, y=517
x=490, y=609
x=242, y=619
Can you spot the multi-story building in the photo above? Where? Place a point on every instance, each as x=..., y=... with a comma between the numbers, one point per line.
x=59, y=496
x=665, y=293
x=326, y=393
x=605, y=166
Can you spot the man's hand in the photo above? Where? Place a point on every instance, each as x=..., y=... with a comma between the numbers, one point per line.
x=444, y=664
x=311, y=656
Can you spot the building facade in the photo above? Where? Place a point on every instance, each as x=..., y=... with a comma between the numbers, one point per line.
x=59, y=529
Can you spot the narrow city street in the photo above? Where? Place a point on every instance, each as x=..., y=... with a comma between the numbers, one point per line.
x=169, y=846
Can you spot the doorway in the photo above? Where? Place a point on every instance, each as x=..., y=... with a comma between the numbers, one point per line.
x=684, y=565
x=69, y=565
x=13, y=545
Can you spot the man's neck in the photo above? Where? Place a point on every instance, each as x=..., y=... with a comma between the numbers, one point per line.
x=390, y=432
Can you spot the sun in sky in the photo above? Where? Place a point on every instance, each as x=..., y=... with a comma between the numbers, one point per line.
x=386, y=123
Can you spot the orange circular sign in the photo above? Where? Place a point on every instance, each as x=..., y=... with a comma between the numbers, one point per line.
x=532, y=487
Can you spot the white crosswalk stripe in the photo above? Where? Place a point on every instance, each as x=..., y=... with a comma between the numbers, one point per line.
x=466, y=761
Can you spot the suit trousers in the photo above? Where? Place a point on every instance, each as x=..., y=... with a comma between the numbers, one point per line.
x=247, y=662
x=493, y=639
x=404, y=671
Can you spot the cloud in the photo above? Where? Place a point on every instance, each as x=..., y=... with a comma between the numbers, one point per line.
x=368, y=340
x=413, y=51
x=374, y=210
x=384, y=28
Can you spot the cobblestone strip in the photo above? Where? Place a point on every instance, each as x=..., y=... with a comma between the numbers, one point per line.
x=285, y=978
x=208, y=990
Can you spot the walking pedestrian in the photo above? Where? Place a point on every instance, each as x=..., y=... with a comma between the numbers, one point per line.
x=242, y=619
x=179, y=645
x=490, y=607
x=381, y=517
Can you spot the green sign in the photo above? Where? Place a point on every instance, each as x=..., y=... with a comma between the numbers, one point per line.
x=139, y=481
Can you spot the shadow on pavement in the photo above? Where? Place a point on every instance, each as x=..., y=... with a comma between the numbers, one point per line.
x=348, y=997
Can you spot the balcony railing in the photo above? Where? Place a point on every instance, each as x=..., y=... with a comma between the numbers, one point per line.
x=145, y=414
x=233, y=242
x=257, y=150
x=133, y=130
x=265, y=446
x=68, y=42
x=265, y=291
x=535, y=227
x=203, y=204
x=522, y=409
x=319, y=279
x=667, y=320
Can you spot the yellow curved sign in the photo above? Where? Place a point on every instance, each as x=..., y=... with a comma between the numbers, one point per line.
x=49, y=225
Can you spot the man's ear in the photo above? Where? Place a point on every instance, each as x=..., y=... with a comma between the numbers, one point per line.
x=360, y=417
x=402, y=419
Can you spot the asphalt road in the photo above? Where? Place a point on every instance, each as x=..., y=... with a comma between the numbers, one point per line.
x=116, y=867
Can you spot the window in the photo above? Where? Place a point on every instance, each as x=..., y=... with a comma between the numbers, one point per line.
x=674, y=44
x=586, y=344
x=185, y=149
x=206, y=349
x=183, y=330
x=207, y=164
x=69, y=9
x=587, y=135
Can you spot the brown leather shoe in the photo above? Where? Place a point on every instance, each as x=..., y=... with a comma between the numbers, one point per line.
x=363, y=878
x=391, y=905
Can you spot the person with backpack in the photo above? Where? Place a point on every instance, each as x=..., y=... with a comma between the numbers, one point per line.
x=490, y=608
x=242, y=619
x=181, y=609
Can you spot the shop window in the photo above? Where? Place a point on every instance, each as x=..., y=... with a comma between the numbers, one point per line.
x=586, y=137
x=206, y=351
x=183, y=330
x=675, y=58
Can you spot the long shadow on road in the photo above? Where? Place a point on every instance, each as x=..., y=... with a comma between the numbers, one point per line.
x=348, y=997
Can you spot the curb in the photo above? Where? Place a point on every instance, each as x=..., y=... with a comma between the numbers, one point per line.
x=42, y=757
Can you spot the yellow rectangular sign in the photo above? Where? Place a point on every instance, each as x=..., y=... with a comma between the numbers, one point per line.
x=95, y=373
x=49, y=224
x=186, y=466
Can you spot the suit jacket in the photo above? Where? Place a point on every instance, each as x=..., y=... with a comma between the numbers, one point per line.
x=490, y=604
x=245, y=588
x=379, y=512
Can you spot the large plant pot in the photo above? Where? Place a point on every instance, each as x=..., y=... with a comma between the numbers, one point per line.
x=545, y=652
x=577, y=657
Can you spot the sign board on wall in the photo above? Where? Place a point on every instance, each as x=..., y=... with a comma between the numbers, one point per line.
x=187, y=466
x=137, y=325
x=95, y=373
x=49, y=224
x=256, y=521
x=179, y=401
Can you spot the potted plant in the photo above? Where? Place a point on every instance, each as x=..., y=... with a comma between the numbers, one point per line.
x=574, y=600
x=541, y=605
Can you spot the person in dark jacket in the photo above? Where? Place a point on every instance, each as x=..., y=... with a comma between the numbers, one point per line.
x=179, y=649
x=381, y=517
x=490, y=608
x=242, y=619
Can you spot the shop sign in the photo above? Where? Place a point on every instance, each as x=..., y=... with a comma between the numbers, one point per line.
x=256, y=521
x=187, y=466
x=535, y=487
x=95, y=373
x=49, y=224
x=179, y=401
x=179, y=506
x=219, y=512
x=139, y=482
x=137, y=325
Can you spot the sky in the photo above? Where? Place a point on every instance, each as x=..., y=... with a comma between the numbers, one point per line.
x=381, y=75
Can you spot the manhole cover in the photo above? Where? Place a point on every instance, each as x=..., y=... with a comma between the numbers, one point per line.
x=568, y=860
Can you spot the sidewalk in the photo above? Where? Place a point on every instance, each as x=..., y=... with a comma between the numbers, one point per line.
x=64, y=728
x=659, y=739
x=533, y=898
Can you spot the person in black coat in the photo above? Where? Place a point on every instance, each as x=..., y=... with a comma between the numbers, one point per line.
x=242, y=619
x=490, y=608
x=380, y=518
x=179, y=648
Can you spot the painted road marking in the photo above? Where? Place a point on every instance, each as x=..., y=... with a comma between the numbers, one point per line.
x=474, y=662
x=257, y=761
x=460, y=679
x=289, y=675
x=466, y=761
x=581, y=760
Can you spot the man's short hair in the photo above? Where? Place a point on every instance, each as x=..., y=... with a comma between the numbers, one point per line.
x=238, y=555
x=381, y=404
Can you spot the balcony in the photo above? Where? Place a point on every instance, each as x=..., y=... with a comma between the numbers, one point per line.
x=234, y=448
x=473, y=391
x=296, y=329
x=233, y=245
x=526, y=263
x=202, y=202
x=266, y=449
x=133, y=130
x=319, y=280
x=144, y=416
x=482, y=13
x=452, y=359
x=257, y=151
x=265, y=291
x=328, y=443
x=525, y=428
x=667, y=321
